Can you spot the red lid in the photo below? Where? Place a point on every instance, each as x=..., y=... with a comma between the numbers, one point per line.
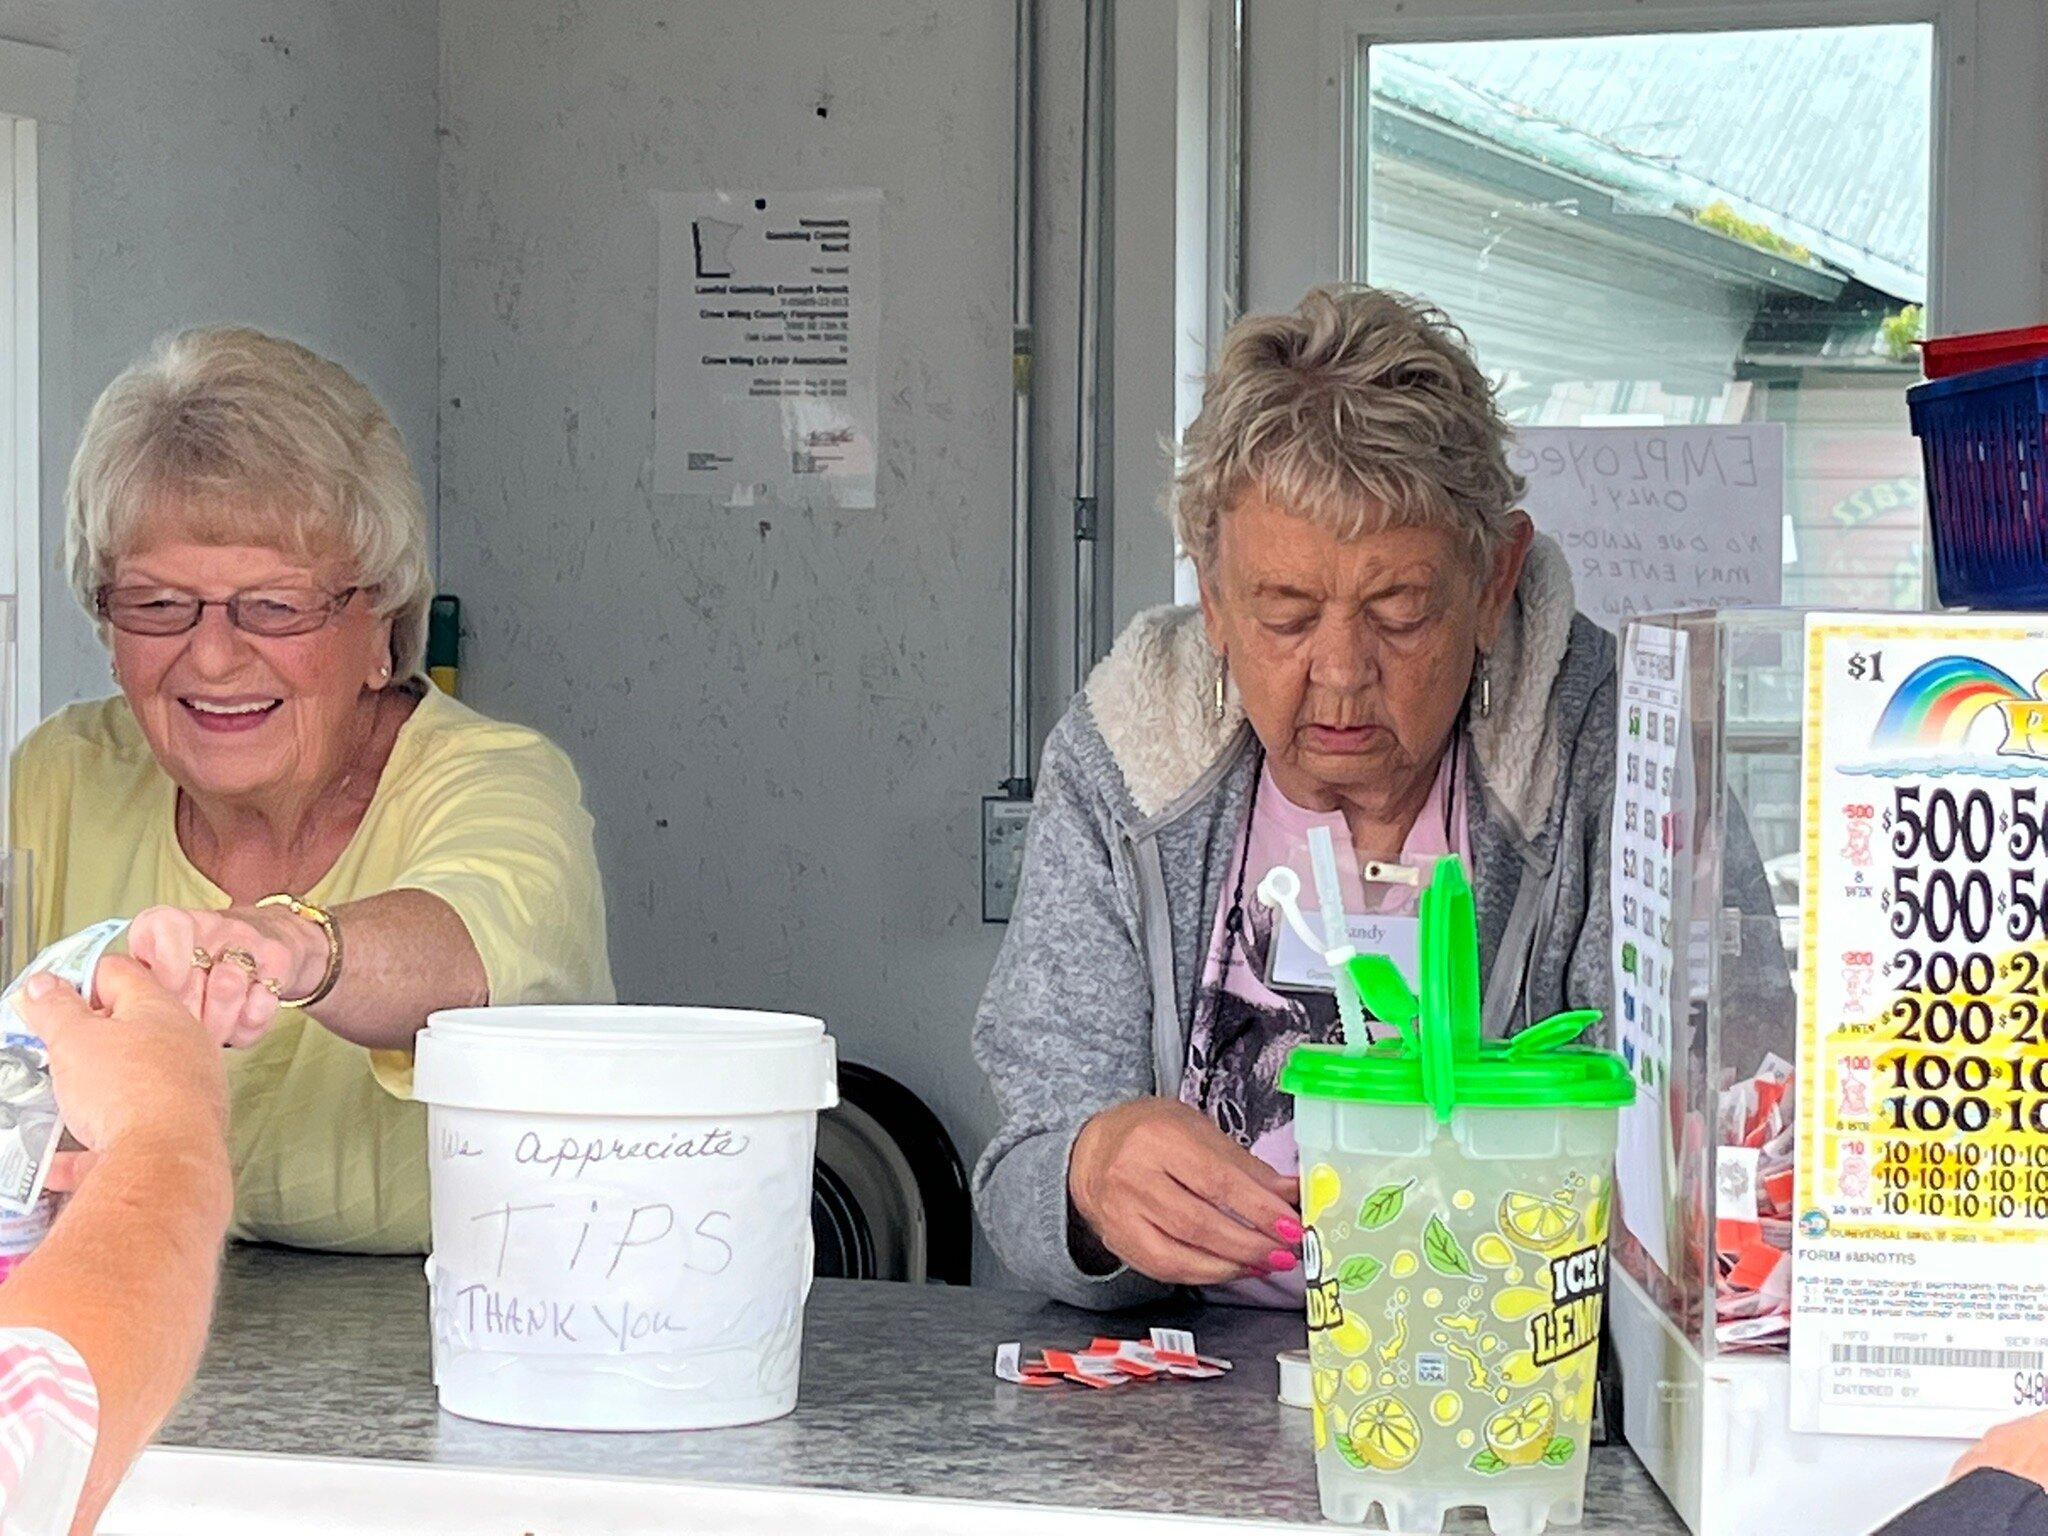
x=1948, y=355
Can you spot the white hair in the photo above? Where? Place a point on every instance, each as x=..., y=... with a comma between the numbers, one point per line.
x=1360, y=409
x=248, y=438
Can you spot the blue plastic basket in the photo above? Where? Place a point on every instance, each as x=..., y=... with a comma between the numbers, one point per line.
x=1984, y=441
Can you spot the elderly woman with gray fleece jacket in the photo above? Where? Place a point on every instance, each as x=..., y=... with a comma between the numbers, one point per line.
x=1383, y=648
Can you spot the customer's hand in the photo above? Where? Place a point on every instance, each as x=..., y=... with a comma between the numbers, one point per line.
x=253, y=955
x=2018, y=1446
x=137, y=1069
x=1162, y=1189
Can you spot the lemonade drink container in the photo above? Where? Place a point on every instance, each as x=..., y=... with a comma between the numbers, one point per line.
x=1456, y=1196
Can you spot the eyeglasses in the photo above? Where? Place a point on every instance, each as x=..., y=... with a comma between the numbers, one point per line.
x=273, y=612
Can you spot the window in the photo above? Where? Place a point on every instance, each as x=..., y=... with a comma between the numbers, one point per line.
x=20, y=436
x=1681, y=229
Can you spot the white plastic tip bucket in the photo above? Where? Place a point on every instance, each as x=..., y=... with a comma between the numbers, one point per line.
x=621, y=1211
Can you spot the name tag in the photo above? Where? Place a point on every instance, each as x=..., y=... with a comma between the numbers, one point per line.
x=1292, y=966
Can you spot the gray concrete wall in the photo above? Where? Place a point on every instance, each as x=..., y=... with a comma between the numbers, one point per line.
x=785, y=716
x=785, y=719
x=265, y=161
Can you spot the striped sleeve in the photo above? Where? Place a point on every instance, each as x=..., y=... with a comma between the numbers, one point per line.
x=49, y=1424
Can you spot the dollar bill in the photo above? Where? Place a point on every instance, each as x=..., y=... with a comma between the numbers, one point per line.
x=30, y=1126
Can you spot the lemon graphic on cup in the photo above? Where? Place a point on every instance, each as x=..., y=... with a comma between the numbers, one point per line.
x=1578, y=1402
x=1538, y=1223
x=1491, y=1251
x=1520, y=1369
x=1385, y=1434
x=1516, y=1302
x=1519, y=1435
x=1319, y=1191
x=1352, y=1336
x=1397, y=1341
x=1447, y=1407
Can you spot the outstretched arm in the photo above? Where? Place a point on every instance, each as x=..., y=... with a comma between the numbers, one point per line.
x=126, y=1276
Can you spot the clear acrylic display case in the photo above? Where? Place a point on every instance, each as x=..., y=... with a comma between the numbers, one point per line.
x=1736, y=911
x=1709, y=1415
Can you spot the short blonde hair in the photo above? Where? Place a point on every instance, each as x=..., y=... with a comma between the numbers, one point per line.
x=1361, y=409
x=246, y=437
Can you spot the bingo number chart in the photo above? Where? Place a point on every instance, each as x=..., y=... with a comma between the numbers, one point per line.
x=1646, y=886
x=1920, y=1293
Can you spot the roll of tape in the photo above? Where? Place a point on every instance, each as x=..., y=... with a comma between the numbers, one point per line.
x=1295, y=1390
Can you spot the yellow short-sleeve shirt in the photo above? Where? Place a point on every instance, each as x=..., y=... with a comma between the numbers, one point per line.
x=329, y=1148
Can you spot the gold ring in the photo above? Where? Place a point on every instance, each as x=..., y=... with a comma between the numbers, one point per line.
x=241, y=957
x=271, y=985
x=201, y=960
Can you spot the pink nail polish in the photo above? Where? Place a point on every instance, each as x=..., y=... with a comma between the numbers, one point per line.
x=1280, y=1261
x=1289, y=1229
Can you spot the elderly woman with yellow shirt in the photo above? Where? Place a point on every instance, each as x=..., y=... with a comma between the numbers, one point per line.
x=318, y=849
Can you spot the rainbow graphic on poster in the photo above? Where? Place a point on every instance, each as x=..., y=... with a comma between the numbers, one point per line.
x=1939, y=704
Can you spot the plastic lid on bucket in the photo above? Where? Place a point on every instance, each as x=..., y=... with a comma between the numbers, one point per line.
x=619, y=1060
x=1439, y=1059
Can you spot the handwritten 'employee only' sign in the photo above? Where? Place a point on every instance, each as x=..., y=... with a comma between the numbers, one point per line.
x=1660, y=519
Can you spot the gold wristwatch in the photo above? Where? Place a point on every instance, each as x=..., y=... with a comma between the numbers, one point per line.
x=328, y=926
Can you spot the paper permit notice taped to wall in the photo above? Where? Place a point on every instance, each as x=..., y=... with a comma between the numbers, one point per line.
x=767, y=331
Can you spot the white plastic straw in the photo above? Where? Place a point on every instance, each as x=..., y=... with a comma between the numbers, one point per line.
x=1322, y=857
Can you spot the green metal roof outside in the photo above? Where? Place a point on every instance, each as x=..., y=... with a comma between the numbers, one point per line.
x=1819, y=135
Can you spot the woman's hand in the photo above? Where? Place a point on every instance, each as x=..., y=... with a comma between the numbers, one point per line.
x=229, y=967
x=2018, y=1446
x=1173, y=1197
x=136, y=1067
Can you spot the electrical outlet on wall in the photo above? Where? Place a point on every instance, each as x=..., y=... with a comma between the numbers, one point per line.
x=1004, y=819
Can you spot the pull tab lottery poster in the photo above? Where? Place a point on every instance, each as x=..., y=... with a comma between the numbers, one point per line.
x=1920, y=1293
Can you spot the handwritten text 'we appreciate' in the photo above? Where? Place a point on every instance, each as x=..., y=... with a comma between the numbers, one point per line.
x=574, y=1156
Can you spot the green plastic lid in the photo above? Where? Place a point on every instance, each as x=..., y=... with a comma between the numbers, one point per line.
x=1388, y=1073
x=1439, y=1059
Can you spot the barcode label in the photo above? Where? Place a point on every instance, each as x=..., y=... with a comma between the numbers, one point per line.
x=1927, y=1354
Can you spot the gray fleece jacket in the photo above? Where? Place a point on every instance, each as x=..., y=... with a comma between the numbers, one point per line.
x=1140, y=807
